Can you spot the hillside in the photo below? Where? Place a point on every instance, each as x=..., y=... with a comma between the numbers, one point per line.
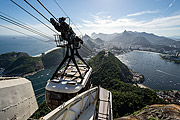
x=24, y=65
x=91, y=43
x=8, y=58
x=141, y=41
x=19, y=63
x=99, y=41
x=106, y=66
x=53, y=58
x=110, y=73
x=128, y=36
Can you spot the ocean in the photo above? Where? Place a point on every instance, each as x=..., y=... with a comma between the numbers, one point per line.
x=32, y=47
x=24, y=44
x=159, y=74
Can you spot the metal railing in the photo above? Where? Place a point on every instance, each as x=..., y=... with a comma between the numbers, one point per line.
x=72, y=109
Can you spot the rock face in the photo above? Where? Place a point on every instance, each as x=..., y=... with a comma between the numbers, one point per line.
x=156, y=112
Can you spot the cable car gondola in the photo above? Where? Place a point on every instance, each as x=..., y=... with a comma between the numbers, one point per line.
x=74, y=77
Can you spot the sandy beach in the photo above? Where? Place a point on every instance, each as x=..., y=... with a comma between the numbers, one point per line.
x=39, y=55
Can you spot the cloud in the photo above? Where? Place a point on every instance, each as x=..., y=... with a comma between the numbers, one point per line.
x=171, y=4
x=106, y=24
x=141, y=13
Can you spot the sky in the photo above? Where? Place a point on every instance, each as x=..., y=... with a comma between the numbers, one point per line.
x=161, y=17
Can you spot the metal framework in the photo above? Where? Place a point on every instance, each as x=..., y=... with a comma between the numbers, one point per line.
x=71, y=51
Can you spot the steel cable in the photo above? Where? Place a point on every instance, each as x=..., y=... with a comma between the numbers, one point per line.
x=24, y=34
x=23, y=26
x=34, y=16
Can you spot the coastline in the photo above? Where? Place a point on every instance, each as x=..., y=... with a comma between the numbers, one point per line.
x=142, y=86
x=32, y=73
x=48, y=51
x=137, y=78
x=29, y=74
x=136, y=74
x=39, y=55
x=147, y=51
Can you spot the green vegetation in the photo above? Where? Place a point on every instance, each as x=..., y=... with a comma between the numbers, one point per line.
x=108, y=67
x=42, y=111
x=137, y=112
x=55, y=57
x=19, y=64
x=111, y=74
x=52, y=58
x=24, y=65
x=8, y=58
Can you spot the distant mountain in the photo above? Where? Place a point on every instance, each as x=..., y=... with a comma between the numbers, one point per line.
x=177, y=38
x=105, y=37
x=99, y=41
x=127, y=37
x=90, y=42
x=141, y=41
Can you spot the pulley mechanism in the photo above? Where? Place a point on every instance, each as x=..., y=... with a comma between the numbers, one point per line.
x=72, y=43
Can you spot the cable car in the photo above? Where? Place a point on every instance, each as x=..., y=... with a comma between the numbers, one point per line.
x=74, y=77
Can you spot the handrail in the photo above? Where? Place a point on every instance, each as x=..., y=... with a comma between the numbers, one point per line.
x=75, y=106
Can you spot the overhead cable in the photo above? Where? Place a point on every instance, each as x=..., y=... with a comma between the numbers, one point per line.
x=24, y=34
x=47, y=10
x=21, y=22
x=39, y=89
x=23, y=26
x=37, y=11
x=34, y=16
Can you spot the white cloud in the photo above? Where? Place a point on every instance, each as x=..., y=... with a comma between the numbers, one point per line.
x=141, y=13
x=171, y=4
x=105, y=24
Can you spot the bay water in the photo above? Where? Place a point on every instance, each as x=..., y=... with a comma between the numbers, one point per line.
x=159, y=74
